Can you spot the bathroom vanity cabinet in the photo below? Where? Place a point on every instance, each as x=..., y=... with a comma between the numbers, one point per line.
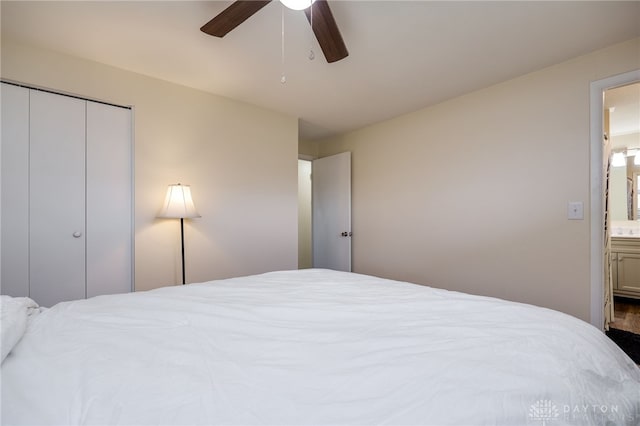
x=625, y=263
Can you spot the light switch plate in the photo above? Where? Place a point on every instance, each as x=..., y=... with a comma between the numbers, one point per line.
x=575, y=210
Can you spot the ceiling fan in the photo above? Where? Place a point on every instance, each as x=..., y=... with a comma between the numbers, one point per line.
x=318, y=14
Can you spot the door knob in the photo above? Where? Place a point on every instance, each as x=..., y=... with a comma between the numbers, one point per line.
x=77, y=234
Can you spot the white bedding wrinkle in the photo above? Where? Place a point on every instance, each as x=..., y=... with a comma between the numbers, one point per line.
x=14, y=315
x=314, y=347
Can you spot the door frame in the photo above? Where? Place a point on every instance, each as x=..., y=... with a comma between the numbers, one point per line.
x=597, y=90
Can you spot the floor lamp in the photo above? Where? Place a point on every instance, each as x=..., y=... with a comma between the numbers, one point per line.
x=178, y=204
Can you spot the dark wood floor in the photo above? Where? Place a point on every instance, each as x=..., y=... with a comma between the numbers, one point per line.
x=627, y=314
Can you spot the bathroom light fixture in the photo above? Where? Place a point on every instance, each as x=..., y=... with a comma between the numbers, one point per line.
x=297, y=4
x=618, y=159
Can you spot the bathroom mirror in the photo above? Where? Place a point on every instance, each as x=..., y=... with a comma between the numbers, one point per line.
x=623, y=191
x=623, y=106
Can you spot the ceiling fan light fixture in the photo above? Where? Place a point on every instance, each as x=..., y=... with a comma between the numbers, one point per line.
x=297, y=4
x=318, y=13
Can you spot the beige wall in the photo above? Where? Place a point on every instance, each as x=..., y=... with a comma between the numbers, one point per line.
x=471, y=194
x=240, y=161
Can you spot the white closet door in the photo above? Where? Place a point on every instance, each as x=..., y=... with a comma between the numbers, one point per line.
x=14, y=265
x=57, y=198
x=109, y=200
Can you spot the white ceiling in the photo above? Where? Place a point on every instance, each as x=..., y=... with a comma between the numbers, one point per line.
x=404, y=55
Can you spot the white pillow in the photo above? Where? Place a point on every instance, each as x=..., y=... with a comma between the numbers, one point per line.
x=14, y=314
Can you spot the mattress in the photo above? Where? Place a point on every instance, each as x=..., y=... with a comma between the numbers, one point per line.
x=313, y=347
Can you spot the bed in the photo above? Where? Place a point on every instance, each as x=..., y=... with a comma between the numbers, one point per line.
x=310, y=347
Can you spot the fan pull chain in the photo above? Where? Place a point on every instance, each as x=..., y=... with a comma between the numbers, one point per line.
x=312, y=55
x=283, y=77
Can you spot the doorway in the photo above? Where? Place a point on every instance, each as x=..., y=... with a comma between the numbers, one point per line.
x=597, y=207
x=622, y=126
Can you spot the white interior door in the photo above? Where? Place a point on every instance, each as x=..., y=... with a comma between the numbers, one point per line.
x=331, y=194
x=109, y=200
x=57, y=198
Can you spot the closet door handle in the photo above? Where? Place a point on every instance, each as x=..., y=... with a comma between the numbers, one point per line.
x=77, y=234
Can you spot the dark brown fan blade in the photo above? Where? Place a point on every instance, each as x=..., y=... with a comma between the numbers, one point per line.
x=326, y=31
x=232, y=16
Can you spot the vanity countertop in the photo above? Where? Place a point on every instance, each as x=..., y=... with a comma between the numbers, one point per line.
x=625, y=229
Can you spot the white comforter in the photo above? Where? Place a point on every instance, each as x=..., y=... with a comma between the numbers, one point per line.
x=314, y=347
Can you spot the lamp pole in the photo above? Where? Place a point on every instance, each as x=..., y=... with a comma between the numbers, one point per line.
x=178, y=204
x=182, y=242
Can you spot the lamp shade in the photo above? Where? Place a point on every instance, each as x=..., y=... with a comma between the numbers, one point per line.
x=178, y=203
